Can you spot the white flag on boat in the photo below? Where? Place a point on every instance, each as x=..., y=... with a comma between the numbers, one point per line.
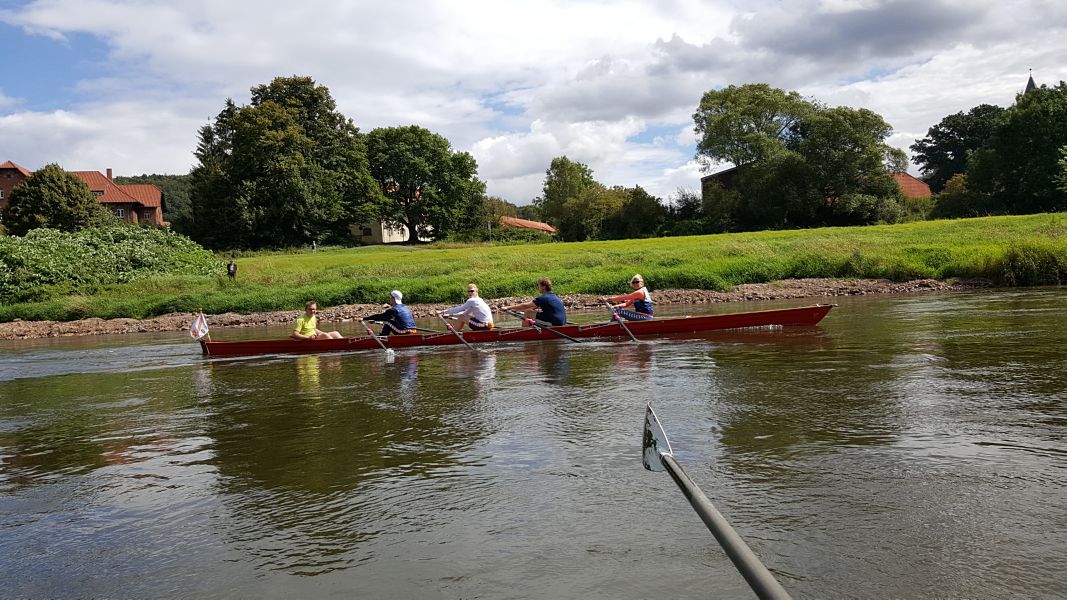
x=198, y=328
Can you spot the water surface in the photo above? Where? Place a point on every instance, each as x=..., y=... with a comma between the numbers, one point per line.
x=907, y=447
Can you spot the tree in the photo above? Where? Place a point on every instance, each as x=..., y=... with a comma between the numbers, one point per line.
x=565, y=180
x=585, y=214
x=1019, y=165
x=283, y=171
x=641, y=215
x=845, y=156
x=530, y=212
x=944, y=150
x=427, y=186
x=55, y=199
x=743, y=124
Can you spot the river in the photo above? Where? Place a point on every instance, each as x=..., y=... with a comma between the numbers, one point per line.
x=907, y=447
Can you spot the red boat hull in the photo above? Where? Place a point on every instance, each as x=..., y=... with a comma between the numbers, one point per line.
x=806, y=315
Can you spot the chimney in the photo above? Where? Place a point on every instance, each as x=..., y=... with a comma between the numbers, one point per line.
x=109, y=174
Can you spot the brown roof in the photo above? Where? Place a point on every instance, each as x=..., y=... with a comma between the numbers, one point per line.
x=912, y=187
x=10, y=165
x=106, y=190
x=145, y=193
x=525, y=224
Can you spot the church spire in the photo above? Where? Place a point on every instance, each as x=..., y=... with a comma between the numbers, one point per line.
x=1030, y=84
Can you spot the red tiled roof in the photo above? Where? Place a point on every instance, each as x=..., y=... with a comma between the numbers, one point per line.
x=145, y=193
x=10, y=165
x=105, y=189
x=525, y=224
x=912, y=187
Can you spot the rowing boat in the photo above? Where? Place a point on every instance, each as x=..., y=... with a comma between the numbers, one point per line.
x=805, y=315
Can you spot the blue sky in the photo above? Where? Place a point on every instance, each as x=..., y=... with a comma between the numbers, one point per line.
x=125, y=84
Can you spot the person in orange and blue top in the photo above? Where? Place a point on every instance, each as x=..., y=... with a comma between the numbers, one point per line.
x=639, y=299
x=307, y=325
x=397, y=319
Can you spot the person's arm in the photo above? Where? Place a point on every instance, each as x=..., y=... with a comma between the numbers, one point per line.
x=520, y=307
x=457, y=310
x=626, y=299
x=382, y=316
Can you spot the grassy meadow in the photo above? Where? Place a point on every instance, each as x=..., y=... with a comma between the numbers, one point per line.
x=1010, y=251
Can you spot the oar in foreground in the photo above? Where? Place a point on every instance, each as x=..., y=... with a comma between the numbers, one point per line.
x=658, y=456
x=388, y=351
x=539, y=325
x=458, y=334
x=618, y=318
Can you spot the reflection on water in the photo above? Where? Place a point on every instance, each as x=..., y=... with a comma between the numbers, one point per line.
x=906, y=447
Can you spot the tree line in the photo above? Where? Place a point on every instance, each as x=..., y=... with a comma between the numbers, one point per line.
x=289, y=168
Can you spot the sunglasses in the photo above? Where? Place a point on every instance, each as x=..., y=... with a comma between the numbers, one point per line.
x=471, y=291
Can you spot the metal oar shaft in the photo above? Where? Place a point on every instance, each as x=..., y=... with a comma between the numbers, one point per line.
x=373, y=335
x=619, y=320
x=458, y=334
x=758, y=577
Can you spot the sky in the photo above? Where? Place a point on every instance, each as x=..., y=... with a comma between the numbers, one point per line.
x=126, y=84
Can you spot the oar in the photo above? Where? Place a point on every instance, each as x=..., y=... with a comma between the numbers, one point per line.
x=659, y=457
x=539, y=325
x=619, y=319
x=388, y=351
x=458, y=334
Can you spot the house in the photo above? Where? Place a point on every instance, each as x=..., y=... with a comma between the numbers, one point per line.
x=379, y=232
x=137, y=203
x=526, y=224
x=910, y=186
x=11, y=175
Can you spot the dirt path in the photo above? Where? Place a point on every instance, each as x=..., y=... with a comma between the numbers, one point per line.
x=792, y=288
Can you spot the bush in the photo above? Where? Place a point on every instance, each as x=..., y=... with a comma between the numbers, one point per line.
x=46, y=262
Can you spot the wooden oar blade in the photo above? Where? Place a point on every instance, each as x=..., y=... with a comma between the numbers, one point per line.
x=655, y=442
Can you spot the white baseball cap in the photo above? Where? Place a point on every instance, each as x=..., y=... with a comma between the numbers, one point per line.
x=397, y=295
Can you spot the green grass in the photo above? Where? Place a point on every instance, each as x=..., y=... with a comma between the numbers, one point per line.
x=1023, y=250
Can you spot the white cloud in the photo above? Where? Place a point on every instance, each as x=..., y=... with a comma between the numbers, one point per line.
x=517, y=83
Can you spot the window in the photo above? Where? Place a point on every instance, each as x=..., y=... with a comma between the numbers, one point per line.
x=146, y=215
x=98, y=193
x=1, y=194
x=366, y=231
x=119, y=212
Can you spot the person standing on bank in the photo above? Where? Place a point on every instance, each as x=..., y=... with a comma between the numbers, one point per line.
x=307, y=325
x=639, y=299
x=231, y=269
x=397, y=319
x=547, y=307
x=474, y=312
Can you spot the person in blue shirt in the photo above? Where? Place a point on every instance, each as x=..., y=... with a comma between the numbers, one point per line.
x=547, y=307
x=397, y=319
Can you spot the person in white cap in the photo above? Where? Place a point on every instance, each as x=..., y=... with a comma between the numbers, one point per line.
x=397, y=319
x=474, y=312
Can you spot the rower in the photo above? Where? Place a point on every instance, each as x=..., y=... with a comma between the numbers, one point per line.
x=475, y=313
x=547, y=307
x=639, y=299
x=397, y=319
x=306, y=327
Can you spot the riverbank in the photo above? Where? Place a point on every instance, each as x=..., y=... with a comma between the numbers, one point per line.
x=786, y=289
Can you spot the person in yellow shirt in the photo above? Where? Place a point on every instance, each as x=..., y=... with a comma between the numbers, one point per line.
x=306, y=327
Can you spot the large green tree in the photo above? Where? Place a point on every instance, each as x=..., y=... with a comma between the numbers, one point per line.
x=55, y=199
x=428, y=187
x=944, y=151
x=743, y=124
x=799, y=164
x=283, y=171
x=565, y=180
x=585, y=215
x=1018, y=168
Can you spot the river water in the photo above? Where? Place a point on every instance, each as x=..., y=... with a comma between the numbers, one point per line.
x=907, y=447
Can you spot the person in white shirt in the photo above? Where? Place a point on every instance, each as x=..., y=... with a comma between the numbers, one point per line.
x=474, y=312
